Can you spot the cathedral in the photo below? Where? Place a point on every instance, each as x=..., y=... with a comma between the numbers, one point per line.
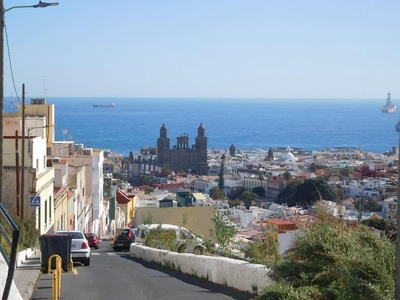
x=181, y=156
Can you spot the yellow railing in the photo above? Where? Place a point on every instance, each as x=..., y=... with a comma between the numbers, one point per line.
x=56, y=275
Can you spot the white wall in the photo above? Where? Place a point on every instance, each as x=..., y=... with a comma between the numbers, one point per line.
x=234, y=273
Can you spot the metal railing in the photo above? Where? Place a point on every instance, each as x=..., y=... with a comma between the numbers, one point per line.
x=12, y=244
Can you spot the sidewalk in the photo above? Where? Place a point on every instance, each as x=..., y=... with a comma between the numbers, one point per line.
x=26, y=275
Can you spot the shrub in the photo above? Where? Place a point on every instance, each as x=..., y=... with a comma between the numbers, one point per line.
x=263, y=252
x=28, y=234
x=164, y=239
x=337, y=261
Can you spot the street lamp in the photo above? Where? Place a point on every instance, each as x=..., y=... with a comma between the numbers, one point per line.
x=41, y=5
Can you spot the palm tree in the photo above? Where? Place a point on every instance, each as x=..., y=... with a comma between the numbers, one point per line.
x=261, y=177
x=287, y=176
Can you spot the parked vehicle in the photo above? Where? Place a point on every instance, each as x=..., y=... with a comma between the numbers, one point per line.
x=93, y=240
x=118, y=231
x=194, y=243
x=80, y=250
x=124, y=239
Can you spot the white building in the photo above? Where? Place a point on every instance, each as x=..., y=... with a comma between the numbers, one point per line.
x=389, y=210
x=38, y=177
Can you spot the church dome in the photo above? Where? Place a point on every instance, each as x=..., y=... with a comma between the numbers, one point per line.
x=287, y=155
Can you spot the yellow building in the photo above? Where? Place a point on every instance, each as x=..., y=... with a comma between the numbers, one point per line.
x=38, y=107
x=197, y=219
x=277, y=226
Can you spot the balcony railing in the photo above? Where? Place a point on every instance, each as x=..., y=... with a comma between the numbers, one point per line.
x=12, y=245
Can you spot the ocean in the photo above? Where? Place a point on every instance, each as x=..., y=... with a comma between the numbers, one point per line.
x=309, y=124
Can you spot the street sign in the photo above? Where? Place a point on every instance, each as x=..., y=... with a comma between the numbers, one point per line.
x=34, y=201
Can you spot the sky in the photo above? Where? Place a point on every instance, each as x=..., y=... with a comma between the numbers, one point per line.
x=204, y=48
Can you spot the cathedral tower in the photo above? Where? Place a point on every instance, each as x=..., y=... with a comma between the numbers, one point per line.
x=163, y=145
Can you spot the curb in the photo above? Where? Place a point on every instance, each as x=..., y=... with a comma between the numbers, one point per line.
x=28, y=293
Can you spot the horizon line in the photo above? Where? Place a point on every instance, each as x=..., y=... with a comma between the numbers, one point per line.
x=211, y=98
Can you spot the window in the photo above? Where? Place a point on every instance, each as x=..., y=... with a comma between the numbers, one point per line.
x=185, y=235
x=50, y=208
x=45, y=212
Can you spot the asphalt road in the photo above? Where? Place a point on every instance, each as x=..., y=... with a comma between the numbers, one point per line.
x=116, y=275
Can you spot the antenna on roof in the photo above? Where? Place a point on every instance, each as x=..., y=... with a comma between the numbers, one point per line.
x=44, y=87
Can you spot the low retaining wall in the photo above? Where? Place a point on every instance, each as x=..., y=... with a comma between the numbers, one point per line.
x=234, y=273
x=14, y=293
x=24, y=255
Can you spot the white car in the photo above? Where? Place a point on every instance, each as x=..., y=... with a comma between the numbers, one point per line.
x=193, y=243
x=80, y=250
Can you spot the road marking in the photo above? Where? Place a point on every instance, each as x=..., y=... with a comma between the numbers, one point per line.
x=95, y=253
x=111, y=253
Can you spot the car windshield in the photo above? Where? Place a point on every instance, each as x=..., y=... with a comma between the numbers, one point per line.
x=90, y=235
x=125, y=232
x=75, y=235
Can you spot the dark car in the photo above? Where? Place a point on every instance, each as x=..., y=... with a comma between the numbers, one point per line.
x=124, y=239
x=92, y=239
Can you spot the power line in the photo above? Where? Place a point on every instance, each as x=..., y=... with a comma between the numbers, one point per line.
x=9, y=60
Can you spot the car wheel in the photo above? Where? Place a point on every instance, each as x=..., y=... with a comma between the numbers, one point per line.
x=198, y=250
x=97, y=247
x=87, y=262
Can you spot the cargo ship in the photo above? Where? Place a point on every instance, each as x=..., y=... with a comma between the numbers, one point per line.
x=389, y=107
x=104, y=105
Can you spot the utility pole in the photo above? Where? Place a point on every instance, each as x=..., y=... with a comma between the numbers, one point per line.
x=17, y=171
x=397, y=266
x=1, y=96
x=23, y=153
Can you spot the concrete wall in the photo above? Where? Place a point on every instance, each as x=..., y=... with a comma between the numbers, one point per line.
x=234, y=273
x=14, y=293
x=199, y=219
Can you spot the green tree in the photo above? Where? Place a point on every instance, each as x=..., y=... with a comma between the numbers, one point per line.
x=221, y=182
x=329, y=260
x=234, y=203
x=259, y=190
x=388, y=229
x=248, y=198
x=367, y=205
x=261, y=177
x=288, y=194
x=236, y=193
x=217, y=193
x=147, y=219
x=312, y=190
x=313, y=167
x=345, y=172
x=337, y=192
x=265, y=252
x=223, y=233
x=118, y=176
x=165, y=171
x=148, y=190
x=287, y=176
x=145, y=180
